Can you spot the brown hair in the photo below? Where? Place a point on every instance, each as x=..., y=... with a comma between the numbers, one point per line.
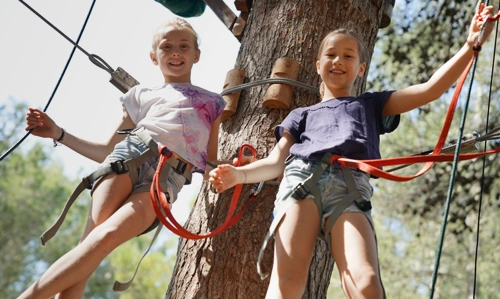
x=361, y=45
x=363, y=53
x=176, y=23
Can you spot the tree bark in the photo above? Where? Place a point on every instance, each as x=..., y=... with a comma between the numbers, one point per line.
x=225, y=266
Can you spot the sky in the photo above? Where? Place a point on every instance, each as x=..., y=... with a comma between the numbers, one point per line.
x=33, y=55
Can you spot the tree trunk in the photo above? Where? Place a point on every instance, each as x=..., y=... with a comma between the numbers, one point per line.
x=225, y=266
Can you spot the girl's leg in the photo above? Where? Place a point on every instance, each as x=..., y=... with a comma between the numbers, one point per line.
x=354, y=249
x=108, y=195
x=293, y=248
x=135, y=216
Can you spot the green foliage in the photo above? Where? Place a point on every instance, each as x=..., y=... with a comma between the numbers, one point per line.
x=155, y=270
x=33, y=190
x=422, y=36
x=30, y=189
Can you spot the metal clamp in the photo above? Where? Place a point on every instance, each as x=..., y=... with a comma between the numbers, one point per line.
x=122, y=80
x=119, y=167
x=256, y=189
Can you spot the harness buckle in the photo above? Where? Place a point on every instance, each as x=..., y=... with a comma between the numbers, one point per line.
x=124, y=131
x=363, y=205
x=300, y=191
x=87, y=183
x=181, y=167
x=119, y=167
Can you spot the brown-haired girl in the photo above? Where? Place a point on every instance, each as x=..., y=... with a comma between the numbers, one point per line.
x=339, y=211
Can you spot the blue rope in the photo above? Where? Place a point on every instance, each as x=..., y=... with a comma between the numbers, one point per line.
x=75, y=46
x=484, y=165
x=452, y=182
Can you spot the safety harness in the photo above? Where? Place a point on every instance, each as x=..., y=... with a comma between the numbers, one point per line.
x=161, y=205
x=374, y=168
x=162, y=208
x=129, y=166
x=308, y=188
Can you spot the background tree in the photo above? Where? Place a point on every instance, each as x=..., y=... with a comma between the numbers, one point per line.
x=224, y=266
x=423, y=35
x=33, y=190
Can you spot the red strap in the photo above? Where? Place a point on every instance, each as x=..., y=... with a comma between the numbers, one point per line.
x=160, y=203
x=372, y=166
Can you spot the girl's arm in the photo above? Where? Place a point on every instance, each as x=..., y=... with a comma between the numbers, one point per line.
x=213, y=142
x=226, y=176
x=415, y=96
x=213, y=147
x=44, y=126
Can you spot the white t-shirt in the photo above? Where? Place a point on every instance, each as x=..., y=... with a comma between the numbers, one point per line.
x=177, y=115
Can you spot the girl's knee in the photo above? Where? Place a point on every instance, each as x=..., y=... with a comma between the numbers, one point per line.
x=371, y=286
x=105, y=237
x=366, y=285
x=288, y=284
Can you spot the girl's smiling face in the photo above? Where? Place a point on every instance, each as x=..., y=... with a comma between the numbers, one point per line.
x=176, y=53
x=339, y=64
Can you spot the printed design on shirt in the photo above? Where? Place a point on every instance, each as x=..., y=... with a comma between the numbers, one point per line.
x=208, y=107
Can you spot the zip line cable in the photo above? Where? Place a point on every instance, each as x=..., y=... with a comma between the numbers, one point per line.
x=75, y=45
x=94, y=58
x=119, y=78
x=477, y=48
x=451, y=183
x=474, y=290
x=452, y=179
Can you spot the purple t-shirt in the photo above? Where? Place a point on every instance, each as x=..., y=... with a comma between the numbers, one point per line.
x=346, y=126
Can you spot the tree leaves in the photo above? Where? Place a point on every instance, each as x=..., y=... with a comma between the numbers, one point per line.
x=422, y=36
x=33, y=190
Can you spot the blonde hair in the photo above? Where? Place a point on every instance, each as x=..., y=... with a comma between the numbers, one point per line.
x=363, y=53
x=176, y=23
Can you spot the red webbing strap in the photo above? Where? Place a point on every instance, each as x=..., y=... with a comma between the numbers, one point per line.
x=371, y=166
x=162, y=209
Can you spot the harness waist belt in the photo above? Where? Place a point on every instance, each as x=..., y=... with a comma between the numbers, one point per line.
x=120, y=167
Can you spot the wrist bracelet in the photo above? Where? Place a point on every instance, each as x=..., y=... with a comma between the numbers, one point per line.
x=61, y=139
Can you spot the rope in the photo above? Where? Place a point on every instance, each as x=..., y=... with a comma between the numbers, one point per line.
x=454, y=166
x=10, y=150
x=452, y=182
x=470, y=142
x=495, y=132
x=93, y=58
x=162, y=209
x=270, y=81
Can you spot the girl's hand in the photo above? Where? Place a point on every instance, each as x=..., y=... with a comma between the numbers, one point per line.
x=41, y=124
x=478, y=21
x=244, y=160
x=225, y=176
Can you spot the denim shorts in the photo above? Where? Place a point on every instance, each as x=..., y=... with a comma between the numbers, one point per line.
x=132, y=146
x=331, y=186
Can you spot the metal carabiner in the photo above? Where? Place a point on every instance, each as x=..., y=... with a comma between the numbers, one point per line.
x=256, y=189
